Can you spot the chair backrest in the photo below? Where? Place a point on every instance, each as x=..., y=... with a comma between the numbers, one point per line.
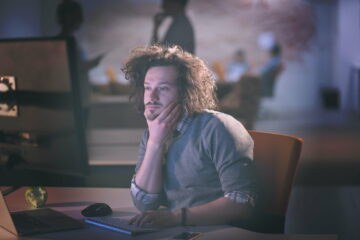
x=243, y=100
x=276, y=158
x=269, y=78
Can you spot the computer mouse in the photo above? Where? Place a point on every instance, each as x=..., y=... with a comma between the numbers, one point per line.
x=96, y=210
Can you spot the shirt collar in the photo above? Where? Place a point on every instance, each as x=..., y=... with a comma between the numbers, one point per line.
x=183, y=124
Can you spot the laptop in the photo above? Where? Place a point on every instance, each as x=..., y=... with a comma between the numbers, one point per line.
x=37, y=221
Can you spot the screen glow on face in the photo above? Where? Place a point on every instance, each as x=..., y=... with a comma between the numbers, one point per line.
x=160, y=89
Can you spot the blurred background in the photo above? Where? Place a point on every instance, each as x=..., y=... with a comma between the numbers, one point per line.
x=315, y=90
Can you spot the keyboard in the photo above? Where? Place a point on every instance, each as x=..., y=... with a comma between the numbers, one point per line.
x=24, y=221
x=42, y=220
x=119, y=225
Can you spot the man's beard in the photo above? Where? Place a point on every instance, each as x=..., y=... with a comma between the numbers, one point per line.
x=151, y=115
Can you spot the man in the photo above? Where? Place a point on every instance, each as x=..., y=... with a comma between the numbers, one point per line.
x=180, y=32
x=70, y=17
x=195, y=161
x=237, y=67
x=270, y=71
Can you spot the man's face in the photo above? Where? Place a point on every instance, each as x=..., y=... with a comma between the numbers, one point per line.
x=160, y=89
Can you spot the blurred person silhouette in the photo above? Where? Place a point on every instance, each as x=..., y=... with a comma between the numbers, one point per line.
x=180, y=31
x=246, y=99
x=270, y=71
x=70, y=18
x=237, y=67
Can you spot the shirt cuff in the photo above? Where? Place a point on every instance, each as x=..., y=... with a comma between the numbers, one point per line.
x=241, y=197
x=141, y=195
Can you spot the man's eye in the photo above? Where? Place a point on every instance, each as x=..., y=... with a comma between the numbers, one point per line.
x=147, y=88
x=163, y=88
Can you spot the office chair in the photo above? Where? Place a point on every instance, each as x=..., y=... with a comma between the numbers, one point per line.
x=276, y=158
x=269, y=79
x=243, y=100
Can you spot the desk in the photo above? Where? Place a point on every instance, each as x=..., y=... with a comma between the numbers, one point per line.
x=72, y=200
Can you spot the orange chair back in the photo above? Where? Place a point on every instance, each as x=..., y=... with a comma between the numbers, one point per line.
x=276, y=158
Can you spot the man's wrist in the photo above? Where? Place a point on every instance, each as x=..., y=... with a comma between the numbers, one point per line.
x=157, y=145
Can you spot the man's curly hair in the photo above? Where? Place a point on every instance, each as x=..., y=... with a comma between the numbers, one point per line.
x=195, y=81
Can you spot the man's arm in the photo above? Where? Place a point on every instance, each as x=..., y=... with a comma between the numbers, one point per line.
x=217, y=212
x=235, y=168
x=149, y=174
x=158, y=19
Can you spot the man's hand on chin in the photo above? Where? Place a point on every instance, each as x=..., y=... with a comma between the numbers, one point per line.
x=161, y=127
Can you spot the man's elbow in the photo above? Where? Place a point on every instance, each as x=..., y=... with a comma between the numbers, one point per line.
x=240, y=211
x=143, y=206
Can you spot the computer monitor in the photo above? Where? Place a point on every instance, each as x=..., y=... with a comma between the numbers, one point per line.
x=42, y=135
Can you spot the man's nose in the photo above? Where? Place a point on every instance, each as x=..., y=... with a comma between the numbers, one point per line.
x=154, y=95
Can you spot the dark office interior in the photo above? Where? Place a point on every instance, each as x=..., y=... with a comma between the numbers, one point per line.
x=316, y=95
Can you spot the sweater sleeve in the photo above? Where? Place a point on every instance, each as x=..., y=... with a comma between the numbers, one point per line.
x=143, y=200
x=231, y=149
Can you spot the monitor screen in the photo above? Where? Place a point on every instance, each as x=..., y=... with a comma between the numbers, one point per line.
x=42, y=138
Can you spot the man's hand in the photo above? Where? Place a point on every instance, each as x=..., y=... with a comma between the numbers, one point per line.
x=156, y=219
x=162, y=127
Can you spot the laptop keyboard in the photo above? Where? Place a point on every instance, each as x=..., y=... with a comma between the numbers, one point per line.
x=42, y=220
x=24, y=221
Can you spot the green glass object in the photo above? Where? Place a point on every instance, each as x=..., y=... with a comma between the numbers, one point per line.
x=36, y=196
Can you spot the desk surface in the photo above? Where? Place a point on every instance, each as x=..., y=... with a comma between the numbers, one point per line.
x=72, y=200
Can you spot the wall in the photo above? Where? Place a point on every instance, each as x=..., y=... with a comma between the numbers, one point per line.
x=326, y=63
x=348, y=48
x=18, y=21
x=298, y=87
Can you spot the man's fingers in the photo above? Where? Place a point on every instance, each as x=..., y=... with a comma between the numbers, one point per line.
x=160, y=130
x=154, y=218
x=167, y=110
x=175, y=117
x=170, y=113
x=135, y=220
x=142, y=219
x=145, y=220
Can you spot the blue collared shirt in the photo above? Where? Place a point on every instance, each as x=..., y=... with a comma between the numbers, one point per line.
x=210, y=157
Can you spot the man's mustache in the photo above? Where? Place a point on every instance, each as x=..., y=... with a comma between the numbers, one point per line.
x=153, y=104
